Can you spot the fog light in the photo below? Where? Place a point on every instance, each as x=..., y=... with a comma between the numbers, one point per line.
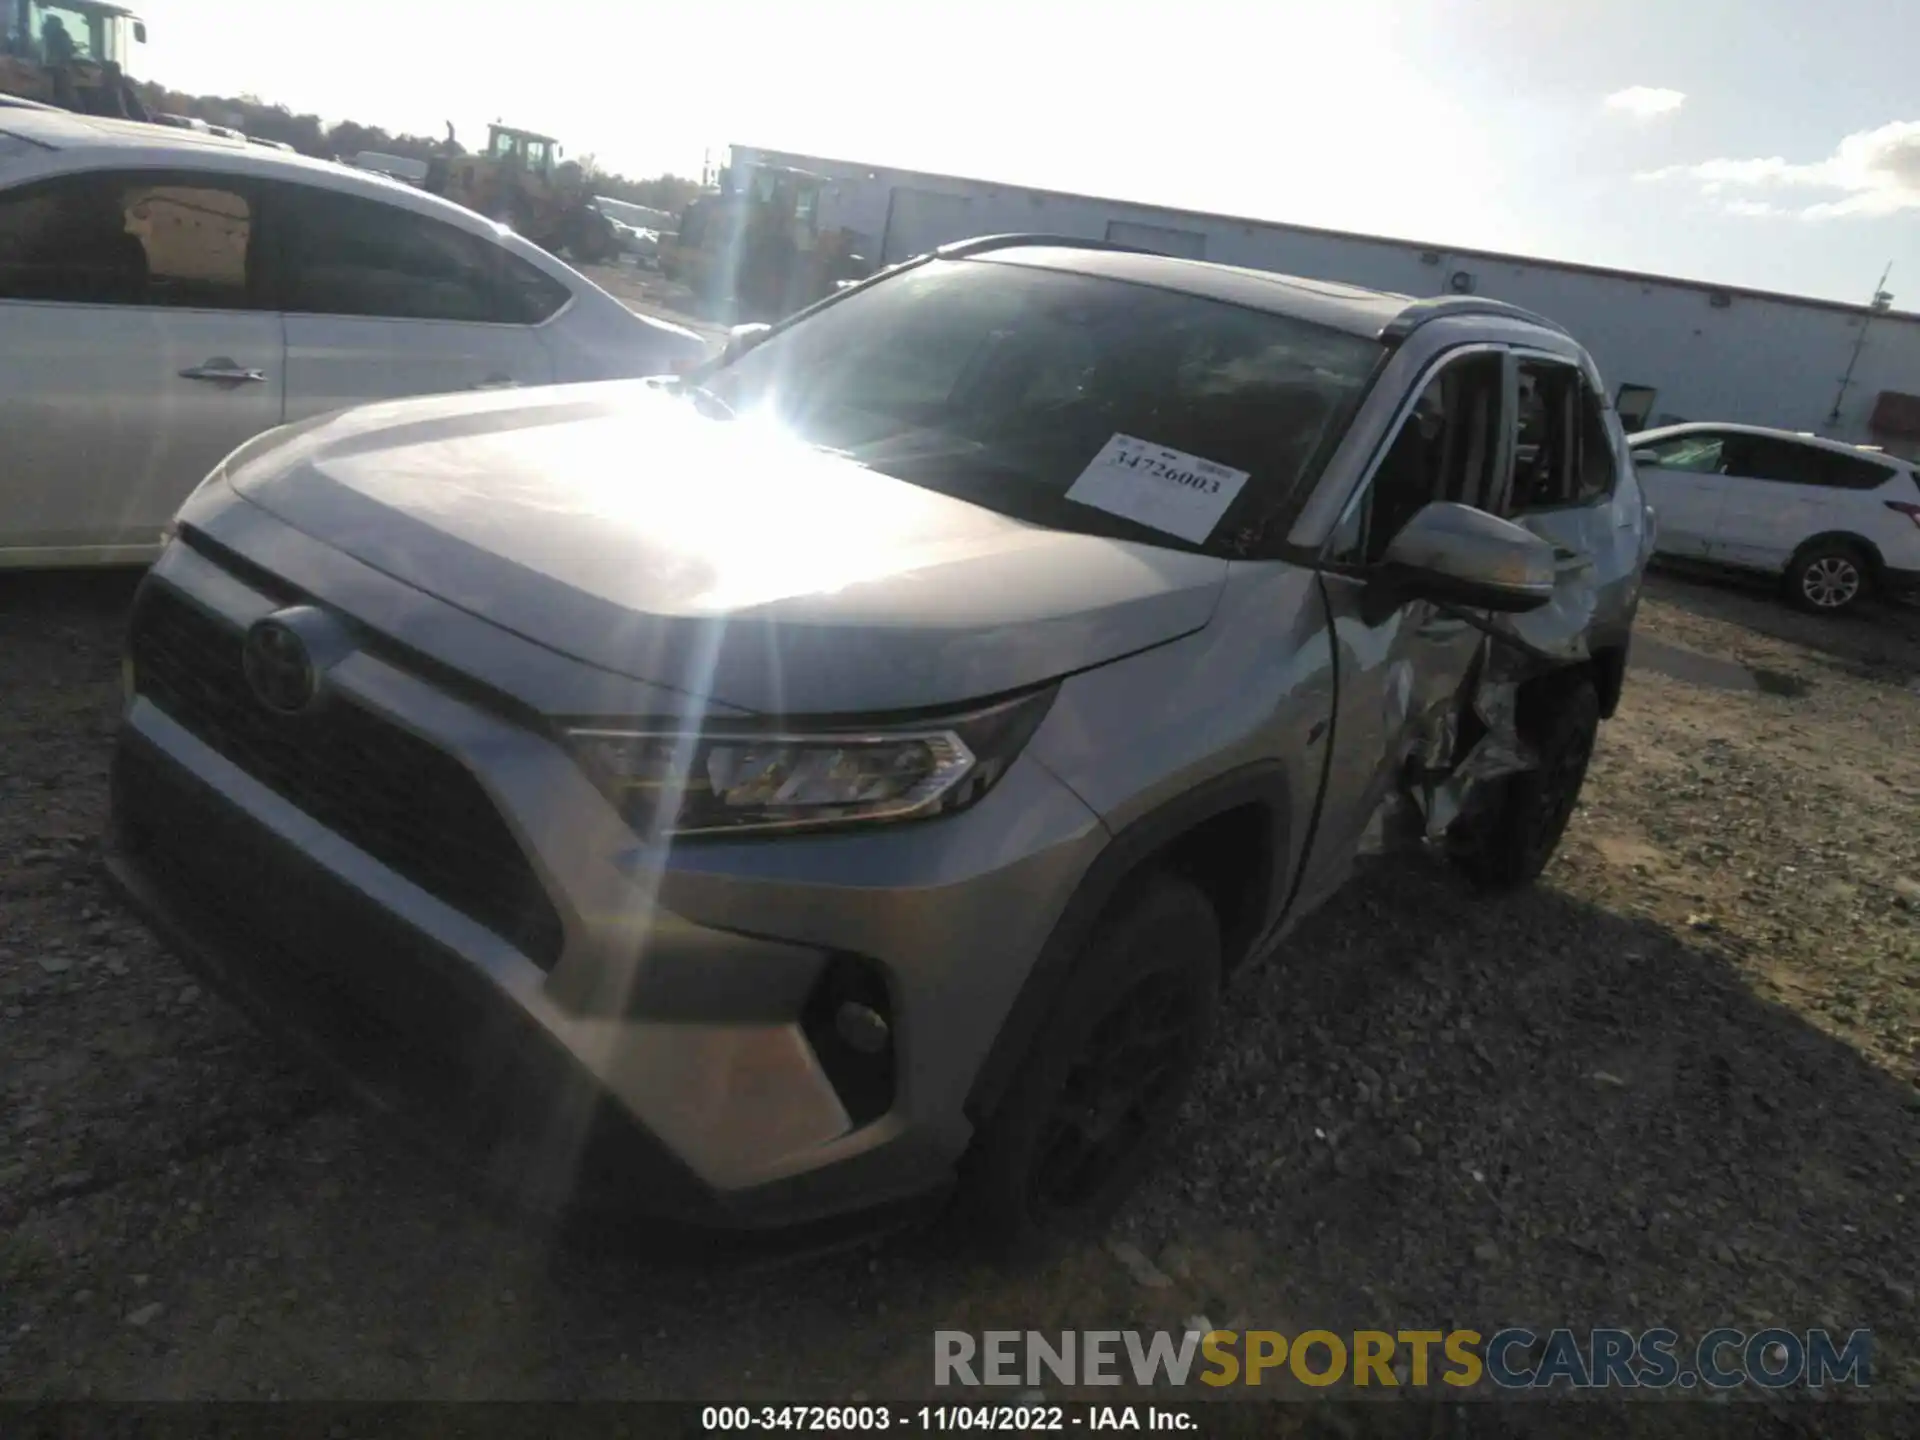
x=848, y=1020
x=862, y=1027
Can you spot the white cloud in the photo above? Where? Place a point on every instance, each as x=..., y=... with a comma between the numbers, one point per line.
x=1871, y=172
x=1644, y=101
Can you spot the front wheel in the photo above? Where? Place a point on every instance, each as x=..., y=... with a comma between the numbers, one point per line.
x=1105, y=1076
x=1508, y=835
x=1828, y=579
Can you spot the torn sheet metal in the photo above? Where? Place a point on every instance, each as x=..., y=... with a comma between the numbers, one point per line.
x=1499, y=752
x=1558, y=631
x=1438, y=787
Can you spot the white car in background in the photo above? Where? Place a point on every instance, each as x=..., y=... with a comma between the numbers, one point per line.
x=167, y=294
x=1834, y=522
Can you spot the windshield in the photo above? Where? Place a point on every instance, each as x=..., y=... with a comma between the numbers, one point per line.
x=1004, y=385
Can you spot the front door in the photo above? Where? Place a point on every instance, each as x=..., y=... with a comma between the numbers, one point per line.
x=134, y=355
x=1682, y=479
x=1404, y=668
x=382, y=303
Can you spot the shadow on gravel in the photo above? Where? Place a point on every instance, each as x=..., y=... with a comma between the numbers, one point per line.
x=1529, y=1110
x=74, y=601
x=1882, y=643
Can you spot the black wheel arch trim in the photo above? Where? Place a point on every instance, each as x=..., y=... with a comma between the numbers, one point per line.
x=1875, y=561
x=1264, y=783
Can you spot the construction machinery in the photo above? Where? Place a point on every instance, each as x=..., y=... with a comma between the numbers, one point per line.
x=755, y=245
x=521, y=181
x=71, y=54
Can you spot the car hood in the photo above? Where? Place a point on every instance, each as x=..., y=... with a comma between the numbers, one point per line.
x=617, y=524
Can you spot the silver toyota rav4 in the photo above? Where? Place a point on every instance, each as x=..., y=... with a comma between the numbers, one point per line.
x=856, y=766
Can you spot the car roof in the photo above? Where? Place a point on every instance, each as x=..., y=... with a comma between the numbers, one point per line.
x=1792, y=437
x=1341, y=307
x=69, y=142
x=1376, y=314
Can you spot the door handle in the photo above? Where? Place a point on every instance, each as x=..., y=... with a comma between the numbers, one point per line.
x=221, y=368
x=496, y=382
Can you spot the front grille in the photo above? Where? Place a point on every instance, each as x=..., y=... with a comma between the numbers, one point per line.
x=403, y=801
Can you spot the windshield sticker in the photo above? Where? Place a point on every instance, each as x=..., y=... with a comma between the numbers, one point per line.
x=1152, y=485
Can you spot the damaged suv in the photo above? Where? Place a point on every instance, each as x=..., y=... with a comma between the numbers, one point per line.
x=856, y=766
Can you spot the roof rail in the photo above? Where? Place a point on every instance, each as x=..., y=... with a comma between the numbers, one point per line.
x=984, y=244
x=1442, y=307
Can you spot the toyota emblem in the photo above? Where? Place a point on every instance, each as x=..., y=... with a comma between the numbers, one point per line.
x=279, y=667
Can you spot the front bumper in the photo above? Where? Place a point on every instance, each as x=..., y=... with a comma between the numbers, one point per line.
x=662, y=1050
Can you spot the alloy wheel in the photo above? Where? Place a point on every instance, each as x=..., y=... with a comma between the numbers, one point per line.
x=1130, y=1065
x=1831, y=582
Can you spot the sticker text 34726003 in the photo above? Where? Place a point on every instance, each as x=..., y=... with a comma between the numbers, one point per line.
x=1152, y=485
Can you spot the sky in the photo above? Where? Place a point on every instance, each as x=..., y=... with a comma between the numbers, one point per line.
x=1762, y=143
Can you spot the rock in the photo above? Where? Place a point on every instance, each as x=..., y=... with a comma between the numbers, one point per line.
x=54, y=964
x=1486, y=1252
x=188, y=995
x=1702, y=922
x=145, y=1315
x=1143, y=1270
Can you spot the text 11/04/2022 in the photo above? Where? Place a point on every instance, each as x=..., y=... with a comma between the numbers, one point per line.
x=939, y=1419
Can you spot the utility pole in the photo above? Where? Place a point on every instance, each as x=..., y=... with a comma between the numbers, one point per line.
x=1881, y=300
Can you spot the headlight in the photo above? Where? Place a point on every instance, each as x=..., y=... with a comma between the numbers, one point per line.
x=733, y=779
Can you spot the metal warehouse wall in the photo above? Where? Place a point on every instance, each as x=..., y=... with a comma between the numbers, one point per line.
x=1764, y=360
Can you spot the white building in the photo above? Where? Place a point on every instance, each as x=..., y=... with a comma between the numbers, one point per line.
x=1674, y=349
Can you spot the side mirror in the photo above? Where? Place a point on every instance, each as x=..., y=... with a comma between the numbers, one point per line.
x=140, y=31
x=1457, y=555
x=741, y=339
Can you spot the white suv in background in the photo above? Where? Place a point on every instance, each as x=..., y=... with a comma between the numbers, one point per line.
x=1834, y=521
x=166, y=295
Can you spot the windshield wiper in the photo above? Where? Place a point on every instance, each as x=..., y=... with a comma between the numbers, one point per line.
x=701, y=397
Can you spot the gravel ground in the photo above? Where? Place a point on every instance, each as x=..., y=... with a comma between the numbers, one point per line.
x=1676, y=1083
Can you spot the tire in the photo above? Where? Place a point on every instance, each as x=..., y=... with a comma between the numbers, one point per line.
x=1105, y=1074
x=1830, y=577
x=1506, y=839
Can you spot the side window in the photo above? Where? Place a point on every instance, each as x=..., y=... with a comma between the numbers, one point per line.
x=107, y=239
x=1545, y=457
x=1844, y=472
x=1444, y=450
x=1764, y=458
x=1599, y=465
x=1563, y=453
x=347, y=255
x=1698, y=453
x=1760, y=457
